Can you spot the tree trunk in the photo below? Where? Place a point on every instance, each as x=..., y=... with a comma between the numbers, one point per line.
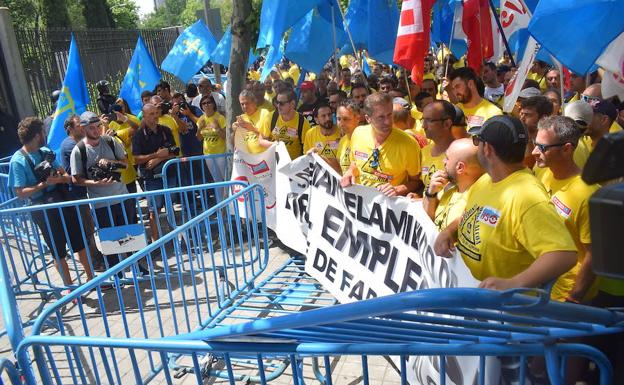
x=239, y=55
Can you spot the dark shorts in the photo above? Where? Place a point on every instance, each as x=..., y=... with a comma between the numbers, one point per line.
x=57, y=226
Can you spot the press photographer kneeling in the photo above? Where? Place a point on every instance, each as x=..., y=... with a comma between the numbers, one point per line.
x=96, y=162
x=37, y=177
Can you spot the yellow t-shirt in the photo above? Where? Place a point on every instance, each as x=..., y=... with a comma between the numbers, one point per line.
x=268, y=97
x=250, y=139
x=344, y=153
x=327, y=145
x=451, y=206
x=169, y=121
x=124, y=135
x=418, y=128
x=429, y=163
x=398, y=158
x=213, y=142
x=294, y=73
x=507, y=225
x=287, y=132
x=266, y=105
x=615, y=127
x=571, y=199
x=253, y=75
x=478, y=114
x=540, y=79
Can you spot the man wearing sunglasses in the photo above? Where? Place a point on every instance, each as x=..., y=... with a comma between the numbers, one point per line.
x=555, y=142
x=382, y=156
x=510, y=234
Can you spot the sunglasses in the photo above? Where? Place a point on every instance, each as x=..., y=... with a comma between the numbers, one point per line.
x=476, y=139
x=545, y=147
x=592, y=100
x=282, y=103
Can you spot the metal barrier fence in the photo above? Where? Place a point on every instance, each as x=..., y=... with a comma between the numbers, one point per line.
x=104, y=53
x=31, y=257
x=197, y=169
x=9, y=372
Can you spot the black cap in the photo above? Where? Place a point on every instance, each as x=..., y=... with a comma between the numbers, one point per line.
x=606, y=108
x=502, y=132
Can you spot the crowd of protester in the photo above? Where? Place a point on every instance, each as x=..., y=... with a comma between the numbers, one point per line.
x=503, y=189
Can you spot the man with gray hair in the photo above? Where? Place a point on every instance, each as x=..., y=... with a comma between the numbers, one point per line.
x=382, y=156
x=556, y=140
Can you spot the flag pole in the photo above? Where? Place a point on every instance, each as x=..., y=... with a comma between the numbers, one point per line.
x=409, y=96
x=346, y=27
x=450, y=43
x=336, y=73
x=500, y=29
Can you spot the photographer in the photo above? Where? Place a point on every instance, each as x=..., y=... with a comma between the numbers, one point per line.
x=123, y=125
x=153, y=145
x=96, y=162
x=36, y=176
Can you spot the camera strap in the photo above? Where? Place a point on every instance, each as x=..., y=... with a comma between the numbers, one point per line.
x=82, y=147
x=30, y=162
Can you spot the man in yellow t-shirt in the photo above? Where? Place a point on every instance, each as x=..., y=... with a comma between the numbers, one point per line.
x=510, y=234
x=348, y=118
x=123, y=130
x=382, y=156
x=445, y=196
x=172, y=121
x=464, y=88
x=259, y=90
x=437, y=121
x=248, y=136
x=325, y=136
x=286, y=124
x=556, y=139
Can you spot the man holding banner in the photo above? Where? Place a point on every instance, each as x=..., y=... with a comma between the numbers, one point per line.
x=382, y=156
x=509, y=235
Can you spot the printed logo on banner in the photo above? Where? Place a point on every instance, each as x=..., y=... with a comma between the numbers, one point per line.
x=236, y=188
x=489, y=216
x=259, y=168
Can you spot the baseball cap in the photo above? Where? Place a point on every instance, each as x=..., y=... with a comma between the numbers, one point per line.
x=88, y=117
x=529, y=92
x=307, y=85
x=502, y=132
x=579, y=111
x=402, y=102
x=606, y=108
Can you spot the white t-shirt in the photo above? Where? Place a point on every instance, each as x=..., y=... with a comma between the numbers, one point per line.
x=219, y=99
x=494, y=94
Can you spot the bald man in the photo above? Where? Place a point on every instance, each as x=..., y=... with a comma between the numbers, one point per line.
x=444, y=200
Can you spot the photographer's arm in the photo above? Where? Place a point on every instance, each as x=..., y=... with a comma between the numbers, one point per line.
x=27, y=192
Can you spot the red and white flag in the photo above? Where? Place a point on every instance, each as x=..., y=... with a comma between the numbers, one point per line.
x=413, y=37
x=477, y=24
x=514, y=16
x=612, y=60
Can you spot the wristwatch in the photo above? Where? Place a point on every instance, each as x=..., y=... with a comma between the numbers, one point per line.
x=429, y=195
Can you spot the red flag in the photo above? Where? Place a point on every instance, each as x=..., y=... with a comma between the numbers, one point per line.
x=477, y=25
x=413, y=37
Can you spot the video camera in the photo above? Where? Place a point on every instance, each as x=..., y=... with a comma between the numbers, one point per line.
x=606, y=206
x=45, y=169
x=99, y=172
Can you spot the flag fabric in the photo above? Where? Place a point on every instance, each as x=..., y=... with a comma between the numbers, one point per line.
x=412, y=41
x=577, y=32
x=383, y=22
x=190, y=52
x=477, y=24
x=73, y=99
x=314, y=33
x=356, y=20
x=142, y=74
x=515, y=85
x=221, y=53
x=612, y=61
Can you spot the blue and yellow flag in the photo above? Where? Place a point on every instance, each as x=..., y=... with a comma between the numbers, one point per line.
x=221, y=54
x=190, y=52
x=74, y=97
x=142, y=75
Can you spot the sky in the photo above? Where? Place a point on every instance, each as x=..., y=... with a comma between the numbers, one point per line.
x=145, y=6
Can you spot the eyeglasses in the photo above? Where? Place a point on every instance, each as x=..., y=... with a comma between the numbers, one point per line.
x=592, y=100
x=282, y=102
x=545, y=147
x=476, y=139
x=206, y=103
x=429, y=120
x=374, y=162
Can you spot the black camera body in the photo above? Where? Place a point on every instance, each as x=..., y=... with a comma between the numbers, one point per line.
x=174, y=150
x=165, y=107
x=183, y=105
x=99, y=172
x=45, y=169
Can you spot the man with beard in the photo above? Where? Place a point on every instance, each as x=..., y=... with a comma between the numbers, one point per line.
x=494, y=90
x=461, y=170
x=382, y=156
x=464, y=87
x=324, y=137
x=309, y=101
x=437, y=121
x=509, y=235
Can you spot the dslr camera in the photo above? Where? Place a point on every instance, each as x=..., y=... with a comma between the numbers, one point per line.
x=112, y=117
x=99, y=172
x=165, y=108
x=173, y=150
x=45, y=169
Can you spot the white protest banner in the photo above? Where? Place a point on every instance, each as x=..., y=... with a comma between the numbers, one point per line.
x=362, y=244
x=262, y=169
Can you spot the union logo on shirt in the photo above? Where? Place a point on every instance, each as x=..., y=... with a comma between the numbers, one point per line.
x=469, y=242
x=475, y=120
x=562, y=209
x=489, y=216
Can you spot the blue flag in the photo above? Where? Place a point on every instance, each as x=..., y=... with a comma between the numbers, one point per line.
x=221, y=53
x=314, y=33
x=190, y=52
x=142, y=75
x=74, y=97
x=576, y=32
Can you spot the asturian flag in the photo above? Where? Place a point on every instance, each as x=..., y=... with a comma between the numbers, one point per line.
x=412, y=40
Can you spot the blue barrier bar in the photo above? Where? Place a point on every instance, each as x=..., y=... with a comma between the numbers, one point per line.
x=7, y=367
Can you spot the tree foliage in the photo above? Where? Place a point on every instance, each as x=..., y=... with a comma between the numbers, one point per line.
x=97, y=14
x=125, y=13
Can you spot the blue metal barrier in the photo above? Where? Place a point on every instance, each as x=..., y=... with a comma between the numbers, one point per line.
x=12, y=374
x=30, y=260
x=5, y=192
x=194, y=170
